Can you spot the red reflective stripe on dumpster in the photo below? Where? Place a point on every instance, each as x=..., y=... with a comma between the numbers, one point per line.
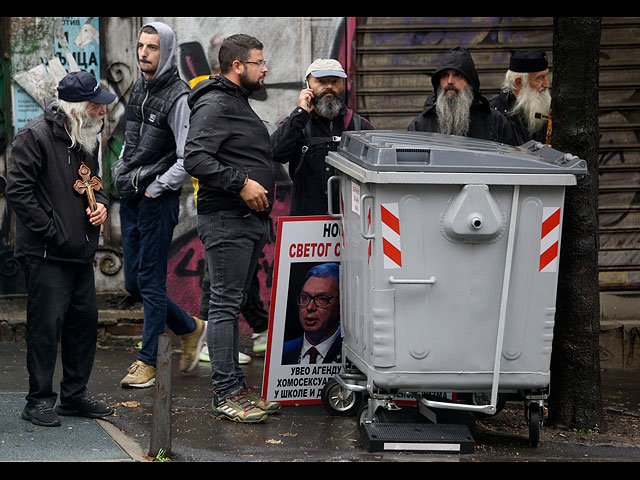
x=392, y=252
x=389, y=219
x=550, y=223
x=549, y=255
x=390, y=223
x=549, y=239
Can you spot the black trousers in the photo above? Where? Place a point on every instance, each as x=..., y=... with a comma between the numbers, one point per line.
x=61, y=307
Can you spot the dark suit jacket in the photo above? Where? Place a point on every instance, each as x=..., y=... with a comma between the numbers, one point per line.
x=291, y=351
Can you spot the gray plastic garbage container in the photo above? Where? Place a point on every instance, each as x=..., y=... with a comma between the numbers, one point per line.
x=449, y=263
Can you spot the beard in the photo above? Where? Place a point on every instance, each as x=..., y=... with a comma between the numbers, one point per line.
x=454, y=110
x=329, y=105
x=528, y=103
x=251, y=86
x=83, y=128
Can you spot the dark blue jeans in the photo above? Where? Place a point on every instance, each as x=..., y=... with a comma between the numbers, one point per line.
x=147, y=229
x=233, y=242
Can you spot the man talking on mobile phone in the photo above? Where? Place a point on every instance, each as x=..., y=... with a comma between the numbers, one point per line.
x=313, y=129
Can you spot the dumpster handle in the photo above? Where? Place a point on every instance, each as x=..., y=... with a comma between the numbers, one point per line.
x=330, y=197
x=419, y=281
x=363, y=218
x=505, y=293
x=488, y=409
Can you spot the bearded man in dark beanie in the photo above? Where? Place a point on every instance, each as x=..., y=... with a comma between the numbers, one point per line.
x=457, y=107
x=525, y=98
x=312, y=130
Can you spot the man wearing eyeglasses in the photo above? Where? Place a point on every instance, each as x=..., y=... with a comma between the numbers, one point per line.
x=319, y=315
x=228, y=151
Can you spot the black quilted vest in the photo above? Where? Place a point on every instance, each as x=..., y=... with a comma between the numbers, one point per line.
x=148, y=136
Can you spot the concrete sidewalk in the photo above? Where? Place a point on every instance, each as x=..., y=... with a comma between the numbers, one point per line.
x=297, y=433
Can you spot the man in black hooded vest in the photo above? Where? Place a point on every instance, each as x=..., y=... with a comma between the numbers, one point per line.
x=149, y=177
x=456, y=106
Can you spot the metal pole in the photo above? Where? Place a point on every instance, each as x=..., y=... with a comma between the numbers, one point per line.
x=161, y=419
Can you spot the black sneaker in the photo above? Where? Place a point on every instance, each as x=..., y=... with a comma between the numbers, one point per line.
x=40, y=414
x=84, y=407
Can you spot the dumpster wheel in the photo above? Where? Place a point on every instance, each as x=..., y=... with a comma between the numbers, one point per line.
x=340, y=401
x=380, y=415
x=534, y=418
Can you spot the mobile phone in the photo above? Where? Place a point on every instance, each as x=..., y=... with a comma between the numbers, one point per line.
x=306, y=82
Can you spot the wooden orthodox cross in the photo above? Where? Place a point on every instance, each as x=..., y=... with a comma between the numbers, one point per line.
x=548, y=119
x=87, y=185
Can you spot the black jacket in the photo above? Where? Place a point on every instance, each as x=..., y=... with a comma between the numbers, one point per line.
x=503, y=102
x=52, y=220
x=227, y=143
x=486, y=123
x=303, y=140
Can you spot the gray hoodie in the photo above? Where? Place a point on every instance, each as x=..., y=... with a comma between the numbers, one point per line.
x=175, y=177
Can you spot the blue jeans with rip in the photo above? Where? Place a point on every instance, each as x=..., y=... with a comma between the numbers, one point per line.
x=233, y=242
x=147, y=230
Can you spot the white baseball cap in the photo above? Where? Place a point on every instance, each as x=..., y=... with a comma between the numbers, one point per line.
x=325, y=67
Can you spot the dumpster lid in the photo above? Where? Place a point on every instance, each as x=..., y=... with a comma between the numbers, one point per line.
x=391, y=150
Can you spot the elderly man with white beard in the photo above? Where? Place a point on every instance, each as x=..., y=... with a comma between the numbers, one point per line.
x=525, y=98
x=54, y=189
x=456, y=106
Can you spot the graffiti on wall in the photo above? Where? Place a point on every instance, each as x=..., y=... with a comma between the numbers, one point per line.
x=42, y=51
x=45, y=48
x=198, y=42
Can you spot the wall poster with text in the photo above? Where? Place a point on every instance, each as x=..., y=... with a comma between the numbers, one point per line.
x=74, y=45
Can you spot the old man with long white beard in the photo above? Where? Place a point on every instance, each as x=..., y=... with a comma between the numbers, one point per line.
x=57, y=232
x=525, y=98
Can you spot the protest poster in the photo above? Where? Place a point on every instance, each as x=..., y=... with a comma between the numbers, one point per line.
x=305, y=246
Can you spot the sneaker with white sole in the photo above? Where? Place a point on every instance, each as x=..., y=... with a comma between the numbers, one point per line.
x=259, y=342
x=267, y=406
x=204, y=353
x=140, y=375
x=204, y=356
x=237, y=408
x=192, y=346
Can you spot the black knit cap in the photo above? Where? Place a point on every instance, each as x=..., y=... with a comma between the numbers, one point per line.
x=526, y=61
x=81, y=87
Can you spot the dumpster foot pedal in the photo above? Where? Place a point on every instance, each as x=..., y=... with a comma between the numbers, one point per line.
x=417, y=437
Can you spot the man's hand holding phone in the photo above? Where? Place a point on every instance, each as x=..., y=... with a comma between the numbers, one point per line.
x=305, y=99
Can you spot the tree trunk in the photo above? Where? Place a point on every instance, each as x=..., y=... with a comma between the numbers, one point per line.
x=575, y=398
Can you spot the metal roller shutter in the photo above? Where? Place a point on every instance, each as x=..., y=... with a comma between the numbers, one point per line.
x=396, y=55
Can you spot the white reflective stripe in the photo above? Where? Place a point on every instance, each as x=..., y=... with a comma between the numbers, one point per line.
x=441, y=447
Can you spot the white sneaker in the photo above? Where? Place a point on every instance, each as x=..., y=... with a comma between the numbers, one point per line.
x=243, y=359
x=204, y=353
x=204, y=356
x=259, y=342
